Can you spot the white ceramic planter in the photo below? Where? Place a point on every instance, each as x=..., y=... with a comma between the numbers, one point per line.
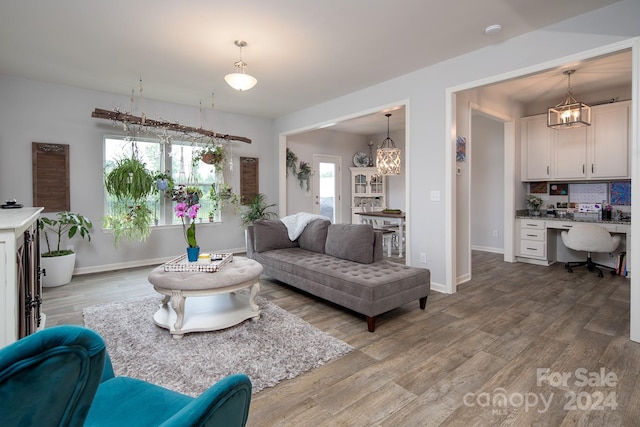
x=57, y=271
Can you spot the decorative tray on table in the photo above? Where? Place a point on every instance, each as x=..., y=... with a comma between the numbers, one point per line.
x=182, y=264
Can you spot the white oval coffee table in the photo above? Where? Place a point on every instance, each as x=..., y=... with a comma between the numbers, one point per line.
x=203, y=301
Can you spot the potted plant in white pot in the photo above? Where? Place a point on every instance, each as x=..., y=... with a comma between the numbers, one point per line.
x=57, y=264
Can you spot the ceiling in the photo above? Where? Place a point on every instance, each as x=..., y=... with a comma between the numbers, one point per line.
x=548, y=87
x=303, y=52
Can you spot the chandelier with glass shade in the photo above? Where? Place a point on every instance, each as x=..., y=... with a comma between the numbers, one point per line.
x=388, y=156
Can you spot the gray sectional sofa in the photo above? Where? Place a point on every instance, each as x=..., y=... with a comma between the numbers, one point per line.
x=341, y=263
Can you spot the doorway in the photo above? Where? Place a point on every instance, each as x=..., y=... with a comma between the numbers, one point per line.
x=327, y=200
x=513, y=192
x=483, y=178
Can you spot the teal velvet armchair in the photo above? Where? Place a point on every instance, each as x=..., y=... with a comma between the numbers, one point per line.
x=72, y=383
x=50, y=378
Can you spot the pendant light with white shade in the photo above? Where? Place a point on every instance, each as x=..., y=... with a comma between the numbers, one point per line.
x=240, y=80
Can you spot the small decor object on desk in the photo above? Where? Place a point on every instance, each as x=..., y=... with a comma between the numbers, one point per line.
x=534, y=203
x=183, y=210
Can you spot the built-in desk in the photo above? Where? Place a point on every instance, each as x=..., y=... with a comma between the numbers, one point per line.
x=538, y=240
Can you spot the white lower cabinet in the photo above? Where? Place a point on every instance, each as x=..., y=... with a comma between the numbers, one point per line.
x=533, y=246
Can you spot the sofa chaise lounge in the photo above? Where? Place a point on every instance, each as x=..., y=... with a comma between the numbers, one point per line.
x=341, y=263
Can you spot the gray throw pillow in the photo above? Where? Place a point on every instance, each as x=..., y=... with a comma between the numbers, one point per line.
x=353, y=242
x=271, y=234
x=314, y=236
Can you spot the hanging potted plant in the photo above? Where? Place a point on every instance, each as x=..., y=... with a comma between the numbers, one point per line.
x=130, y=182
x=304, y=175
x=292, y=160
x=131, y=223
x=58, y=264
x=163, y=180
x=212, y=155
x=130, y=179
x=222, y=196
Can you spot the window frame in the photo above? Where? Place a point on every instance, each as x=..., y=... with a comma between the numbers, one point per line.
x=182, y=172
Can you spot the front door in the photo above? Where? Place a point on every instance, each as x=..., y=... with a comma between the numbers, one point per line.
x=326, y=187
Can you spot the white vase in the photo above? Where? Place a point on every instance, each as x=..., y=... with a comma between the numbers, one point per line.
x=57, y=270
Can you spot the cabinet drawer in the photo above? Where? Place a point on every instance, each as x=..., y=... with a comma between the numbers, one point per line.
x=532, y=248
x=532, y=223
x=533, y=234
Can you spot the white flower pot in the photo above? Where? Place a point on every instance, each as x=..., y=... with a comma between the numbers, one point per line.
x=58, y=270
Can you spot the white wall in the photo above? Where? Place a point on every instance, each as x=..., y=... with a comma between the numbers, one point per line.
x=487, y=184
x=34, y=111
x=428, y=137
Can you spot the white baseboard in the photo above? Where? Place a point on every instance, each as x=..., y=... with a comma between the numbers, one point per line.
x=464, y=278
x=488, y=249
x=438, y=287
x=139, y=263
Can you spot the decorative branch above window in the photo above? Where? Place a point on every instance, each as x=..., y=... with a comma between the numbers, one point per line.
x=145, y=122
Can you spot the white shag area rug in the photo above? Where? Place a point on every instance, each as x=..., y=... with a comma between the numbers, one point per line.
x=276, y=347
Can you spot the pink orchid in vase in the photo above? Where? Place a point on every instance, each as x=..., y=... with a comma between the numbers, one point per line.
x=182, y=210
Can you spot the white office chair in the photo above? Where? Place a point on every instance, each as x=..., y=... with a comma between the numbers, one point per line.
x=589, y=238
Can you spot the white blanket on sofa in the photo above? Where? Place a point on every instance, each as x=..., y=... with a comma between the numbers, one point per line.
x=296, y=223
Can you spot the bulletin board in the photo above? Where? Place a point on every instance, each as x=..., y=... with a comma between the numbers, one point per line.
x=588, y=193
x=620, y=193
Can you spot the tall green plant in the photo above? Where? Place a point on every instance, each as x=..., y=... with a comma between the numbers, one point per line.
x=257, y=209
x=68, y=223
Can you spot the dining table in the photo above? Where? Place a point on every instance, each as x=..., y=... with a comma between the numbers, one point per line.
x=388, y=218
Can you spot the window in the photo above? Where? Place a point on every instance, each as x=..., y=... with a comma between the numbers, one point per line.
x=176, y=158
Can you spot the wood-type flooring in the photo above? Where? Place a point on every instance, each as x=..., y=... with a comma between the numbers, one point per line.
x=517, y=345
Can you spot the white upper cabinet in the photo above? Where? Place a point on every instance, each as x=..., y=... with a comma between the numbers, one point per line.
x=570, y=153
x=609, y=141
x=536, y=160
x=599, y=151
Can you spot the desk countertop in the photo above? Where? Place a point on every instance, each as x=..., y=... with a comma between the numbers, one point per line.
x=569, y=217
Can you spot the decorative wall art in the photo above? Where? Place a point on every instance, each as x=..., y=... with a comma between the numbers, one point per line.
x=50, y=176
x=461, y=149
x=538, y=187
x=559, y=189
x=620, y=192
